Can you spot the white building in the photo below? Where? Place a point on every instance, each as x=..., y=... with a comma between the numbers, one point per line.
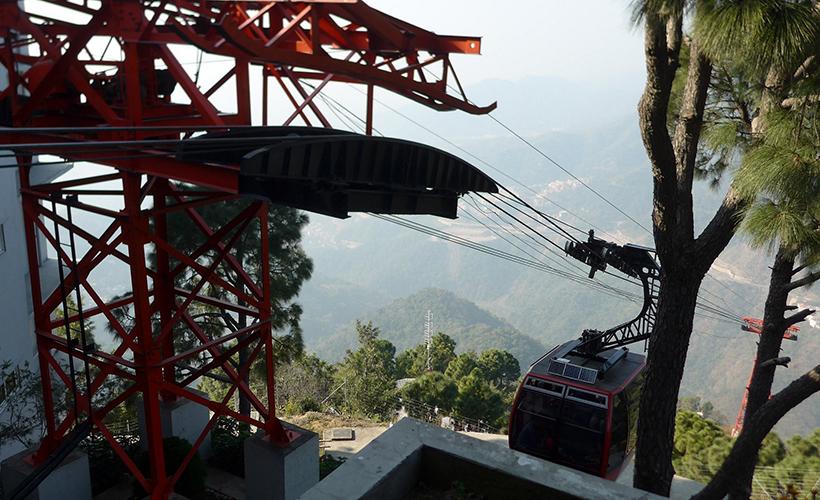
x=17, y=341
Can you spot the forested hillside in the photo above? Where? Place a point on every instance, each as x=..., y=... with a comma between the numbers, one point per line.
x=402, y=323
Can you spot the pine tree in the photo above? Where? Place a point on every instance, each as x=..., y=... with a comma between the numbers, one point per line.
x=727, y=75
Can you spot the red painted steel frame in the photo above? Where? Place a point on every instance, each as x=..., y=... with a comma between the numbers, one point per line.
x=755, y=325
x=82, y=71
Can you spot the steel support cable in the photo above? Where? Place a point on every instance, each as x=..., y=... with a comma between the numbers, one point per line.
x=485, y=163
x=550, y=241
x=549, y=218
x=501, y=223
x=535, y=148
x=556, y=245
x=536, y=257
x=611, y=291
x=352, y=126
x=565, y=259
x=718, y=307
x=506, y=256
x=548, y=158
x=561, y=233
x=726, y=311
x=714, y=308
x=538, y=250
x=573, y=176
x=516, y=233
x=350, y=113
x=494, y=252
x=557, y=220
x=557, y=229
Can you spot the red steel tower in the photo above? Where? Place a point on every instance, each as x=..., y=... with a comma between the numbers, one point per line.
x=104, y=82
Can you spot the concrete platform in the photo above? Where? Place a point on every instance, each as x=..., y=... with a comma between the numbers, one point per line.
x=71, y=479
x=410, y=452
x=362, y=436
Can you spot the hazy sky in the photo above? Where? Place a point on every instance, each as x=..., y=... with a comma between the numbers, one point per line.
x=579, y=41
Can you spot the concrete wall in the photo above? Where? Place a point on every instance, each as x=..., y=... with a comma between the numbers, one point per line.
x=393, y=464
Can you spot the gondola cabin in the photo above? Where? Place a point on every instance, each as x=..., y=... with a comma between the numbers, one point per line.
x=579, y=410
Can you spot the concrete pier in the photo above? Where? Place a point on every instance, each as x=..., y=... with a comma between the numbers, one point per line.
x=181, y=418
x=281, y=473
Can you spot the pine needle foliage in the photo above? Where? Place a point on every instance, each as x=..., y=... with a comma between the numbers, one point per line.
x=761, y=33
x=782, y=173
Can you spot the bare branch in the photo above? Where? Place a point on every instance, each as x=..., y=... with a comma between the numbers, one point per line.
x=798, y=317
x=784, y=361
x=721, y=228
x=798, y=269
x=804, y=68
x=805, y=280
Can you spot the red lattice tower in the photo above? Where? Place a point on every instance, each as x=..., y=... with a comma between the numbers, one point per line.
x=95, y=81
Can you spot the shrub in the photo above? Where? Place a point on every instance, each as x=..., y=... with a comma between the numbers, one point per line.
x=227, y=438
x=192, y=481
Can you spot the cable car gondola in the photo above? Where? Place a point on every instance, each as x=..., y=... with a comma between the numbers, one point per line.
x=578, y=404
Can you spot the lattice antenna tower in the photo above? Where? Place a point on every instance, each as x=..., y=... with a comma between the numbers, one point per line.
x=428, y=338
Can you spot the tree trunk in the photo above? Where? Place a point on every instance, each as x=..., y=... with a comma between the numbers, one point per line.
x=768, y=347
x=730, y=476
x=666, y=358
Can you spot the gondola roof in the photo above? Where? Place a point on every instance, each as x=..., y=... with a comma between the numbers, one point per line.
x=615, y=377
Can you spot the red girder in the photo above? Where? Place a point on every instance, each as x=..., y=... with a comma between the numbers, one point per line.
x=72, y=81
x=92, y=82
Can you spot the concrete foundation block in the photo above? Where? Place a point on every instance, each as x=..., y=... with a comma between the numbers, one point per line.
x=181, y=418
x=71, y=479
x=281, y=473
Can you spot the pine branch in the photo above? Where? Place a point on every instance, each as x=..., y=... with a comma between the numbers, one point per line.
x=805, y=280
x=799, y=268
x=721, y=228
x=798, y=317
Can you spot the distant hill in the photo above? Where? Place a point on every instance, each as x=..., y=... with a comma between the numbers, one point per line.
x=402, y=323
